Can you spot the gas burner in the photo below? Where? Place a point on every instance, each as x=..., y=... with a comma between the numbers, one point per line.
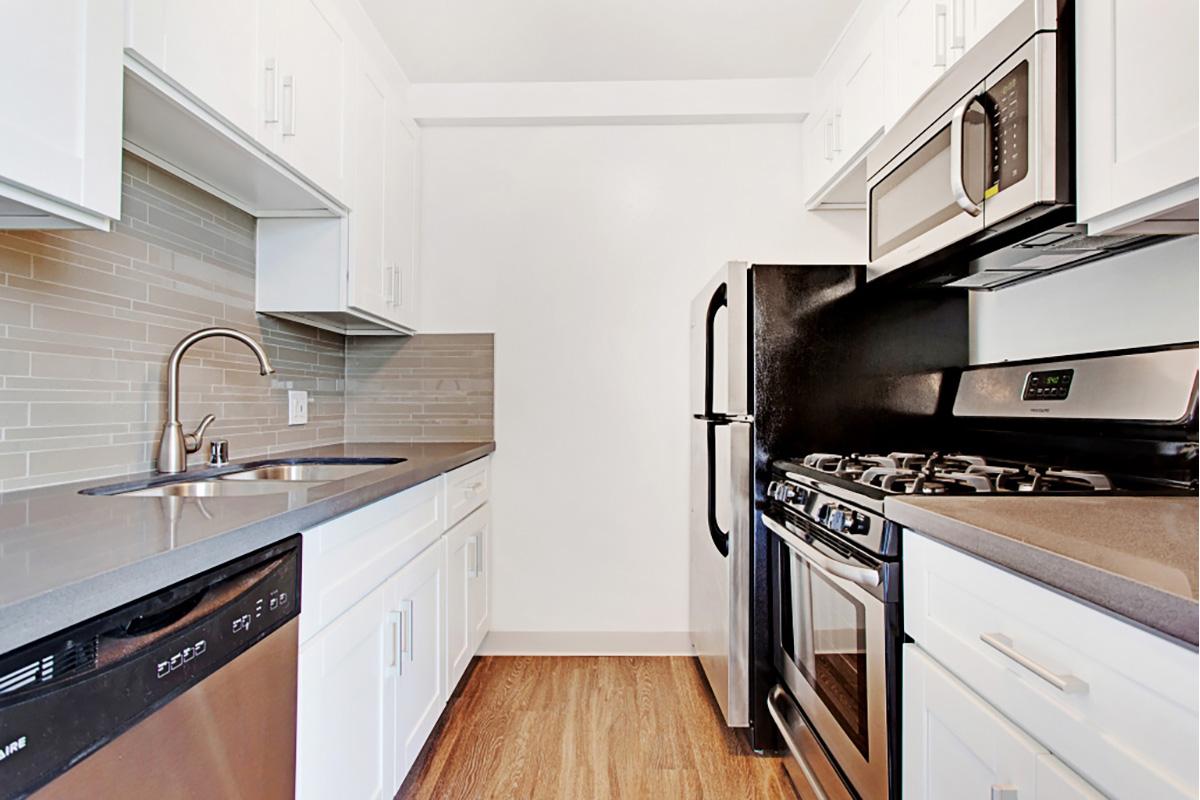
x=851, y=466
x=953, y=462
x=1071, y=480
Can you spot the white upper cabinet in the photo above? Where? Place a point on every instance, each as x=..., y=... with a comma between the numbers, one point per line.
x=918, y=49
x=61, y=94
x=211, y=49
x=849, y=114
x=1136, y=105
x=370, y=282
x=308, y=44
x=401, y=215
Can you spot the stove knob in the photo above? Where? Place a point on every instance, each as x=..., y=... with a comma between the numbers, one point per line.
x=773, y=490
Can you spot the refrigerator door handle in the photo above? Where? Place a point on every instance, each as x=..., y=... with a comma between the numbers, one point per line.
x=719, y=300
x=724, y=419
x=720, y=538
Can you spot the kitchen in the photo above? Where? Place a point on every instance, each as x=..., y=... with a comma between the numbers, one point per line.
x=496, y=553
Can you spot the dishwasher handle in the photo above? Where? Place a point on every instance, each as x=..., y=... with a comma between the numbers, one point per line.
x=144, y=629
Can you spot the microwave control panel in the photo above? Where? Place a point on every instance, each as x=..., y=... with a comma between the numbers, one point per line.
x=1009, y=112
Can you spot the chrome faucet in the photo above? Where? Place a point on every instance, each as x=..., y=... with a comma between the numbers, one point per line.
x=175, y=445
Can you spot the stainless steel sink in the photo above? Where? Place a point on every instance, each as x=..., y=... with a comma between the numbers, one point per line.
x=300, y=472
x=215, y=487
x=277, y=476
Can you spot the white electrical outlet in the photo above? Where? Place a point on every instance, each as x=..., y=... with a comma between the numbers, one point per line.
x=297, y=407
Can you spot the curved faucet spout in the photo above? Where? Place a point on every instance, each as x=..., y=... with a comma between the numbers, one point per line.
x=174, y=446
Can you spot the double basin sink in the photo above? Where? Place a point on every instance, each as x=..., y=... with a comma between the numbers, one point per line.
x=269, y=476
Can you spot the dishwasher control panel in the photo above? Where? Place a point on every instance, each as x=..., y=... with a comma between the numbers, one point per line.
x=69, y=694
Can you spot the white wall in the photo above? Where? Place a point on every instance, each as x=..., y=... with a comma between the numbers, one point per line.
x=582, y=247
x=1141, y=298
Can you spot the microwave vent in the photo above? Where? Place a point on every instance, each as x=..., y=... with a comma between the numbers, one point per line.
x=1044, y=254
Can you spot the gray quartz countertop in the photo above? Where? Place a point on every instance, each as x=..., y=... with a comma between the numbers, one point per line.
x=1136, y=557
x=66, y=557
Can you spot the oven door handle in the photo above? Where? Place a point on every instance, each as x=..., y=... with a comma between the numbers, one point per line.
x=863, y=576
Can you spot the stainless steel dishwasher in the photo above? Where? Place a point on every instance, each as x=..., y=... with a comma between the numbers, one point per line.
x=187, y=693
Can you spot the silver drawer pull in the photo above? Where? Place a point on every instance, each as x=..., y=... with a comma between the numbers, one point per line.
x=1004, y=791
x=1064, y=683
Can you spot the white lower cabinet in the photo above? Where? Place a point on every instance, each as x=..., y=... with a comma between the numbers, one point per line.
x=1116, y=703
x=417, y=612
x=467, y=604
x=346, y=694
x=394, y=606
x=955, y=745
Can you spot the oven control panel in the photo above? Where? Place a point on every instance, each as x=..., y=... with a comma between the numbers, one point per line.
x=1048, y=385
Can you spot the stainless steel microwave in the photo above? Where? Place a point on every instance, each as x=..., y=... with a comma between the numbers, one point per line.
x=985, y=151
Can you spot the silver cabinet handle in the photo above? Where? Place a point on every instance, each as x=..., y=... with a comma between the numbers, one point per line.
x=397, y=286
x=939, y=35
x=1004, y=791
x=863, y=576
x=1068, y=684
x=959, y=41
x=829, y=139
x=837, y=132
x=406, y=630
x=396, y=624
x=473, y=556
x=289, y=105
x=958, y=186
x=271, y=93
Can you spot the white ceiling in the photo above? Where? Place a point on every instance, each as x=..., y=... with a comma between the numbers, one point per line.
x=607, y=40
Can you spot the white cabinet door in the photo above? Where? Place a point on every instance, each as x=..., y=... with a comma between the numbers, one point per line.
x=918, y=43
x=311, y=62
x=60, y=130
x=972, y=20
x=400, y=216
x=467, y=602
x=416, y=596
x=370, y=280
x=1136, y=93
x=479, y=605
x=958, y=746
x=209, y=48
x=862, y=88
x=346, y=705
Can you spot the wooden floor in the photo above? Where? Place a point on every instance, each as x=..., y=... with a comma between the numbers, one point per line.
x=581, y=728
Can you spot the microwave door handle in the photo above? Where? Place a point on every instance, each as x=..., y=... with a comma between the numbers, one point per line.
x=958, y=185
x=863, y=576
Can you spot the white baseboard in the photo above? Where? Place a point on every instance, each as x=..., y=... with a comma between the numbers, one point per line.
x=586, y=643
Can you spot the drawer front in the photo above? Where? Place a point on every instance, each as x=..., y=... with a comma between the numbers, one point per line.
x=467, y=488
x=1115, y=703
x=347, y=557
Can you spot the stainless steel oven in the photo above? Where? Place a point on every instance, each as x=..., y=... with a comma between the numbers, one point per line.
x=836, y=640
x=986, y=149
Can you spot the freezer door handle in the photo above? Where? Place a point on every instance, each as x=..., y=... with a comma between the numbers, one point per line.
x=724, y=419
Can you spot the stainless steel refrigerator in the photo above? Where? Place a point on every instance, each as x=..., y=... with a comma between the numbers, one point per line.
x=788, y=360
x=748, y=326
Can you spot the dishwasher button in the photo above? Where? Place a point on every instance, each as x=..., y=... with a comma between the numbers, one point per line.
x=200, y=647
x=164, y=668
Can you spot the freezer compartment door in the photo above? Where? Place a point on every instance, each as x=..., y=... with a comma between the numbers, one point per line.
x=720, y=379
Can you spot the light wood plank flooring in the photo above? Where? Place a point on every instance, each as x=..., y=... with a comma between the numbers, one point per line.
x=580, y=728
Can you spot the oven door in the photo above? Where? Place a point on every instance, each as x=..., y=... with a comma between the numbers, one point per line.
x=831, y=649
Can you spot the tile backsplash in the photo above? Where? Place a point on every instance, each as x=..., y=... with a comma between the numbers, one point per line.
x=87, y=320
x=425, y=388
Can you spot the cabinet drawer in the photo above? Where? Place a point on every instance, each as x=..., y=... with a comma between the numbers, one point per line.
x=467, y=488
x=1124, y=711
x=347, y=557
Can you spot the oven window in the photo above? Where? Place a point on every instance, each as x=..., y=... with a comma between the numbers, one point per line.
x=825, y=636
